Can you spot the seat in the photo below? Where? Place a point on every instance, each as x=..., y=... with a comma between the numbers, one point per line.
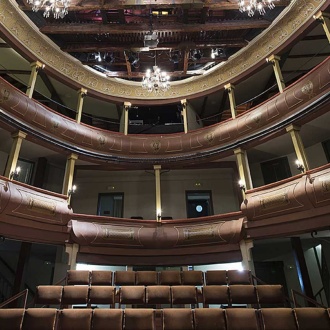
x=239, y=277
x=75, y=295
x=75, y=319
x=102, y=295
x=101, y=277
x=192, y=277
x=242, y=318
x=11, y=318
x=310, y=318
x=48, y=295
x=278, y=318
x=139, y=319
x=124, y=277
x=39, y=319
x=170, y=277
x=215, y=295
x=242, y=294
x=146, y=277
x=132, y=295
x=209, y=319
x=184, y=294
x=177, y=319
x=216, y=277
x=158, y=294
x=270, y=295
x=77, y=277
x=103, y=318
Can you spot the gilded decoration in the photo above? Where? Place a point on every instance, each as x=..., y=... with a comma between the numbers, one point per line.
x=274, y=201
x=307, y=89
x=21, y=28
x=326, y=185
x=155, y=145
x=202, y=232
x=113, y=233
x=4, y=96
x=41, y=206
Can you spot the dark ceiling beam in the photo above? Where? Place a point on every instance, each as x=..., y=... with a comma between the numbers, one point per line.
x=128, y=66
x=4, y=45
x=309, y=55
x=138, y=75
x=94, y=28
x=13, y=72
x=185, y=61
x=54, y=95
x=90, y=47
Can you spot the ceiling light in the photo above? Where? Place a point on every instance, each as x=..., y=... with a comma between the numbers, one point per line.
x=196, y=55
x=59, y=8
x=251, y=6
x=156, y=80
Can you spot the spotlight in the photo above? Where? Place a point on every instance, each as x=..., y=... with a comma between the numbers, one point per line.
x=241, y=185
x=300, y=166
x=72, y=190
x=133, y=59
x=196, y=55
x=15, y=174
x=175, y=58
x=108, y=58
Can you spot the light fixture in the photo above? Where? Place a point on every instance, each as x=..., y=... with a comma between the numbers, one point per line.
x=133, y=58
x=72, y=190
x=196, y=55
x=241, y=185
x=59, y=8
x=300, y=166
x=15, y=174
x=251, y=6
x=215, y=52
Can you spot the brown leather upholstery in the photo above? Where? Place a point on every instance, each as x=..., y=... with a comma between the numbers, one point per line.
x=239, y=277
x=39, y=319
x=192, y=277
x=139, y=319
x=310, y=318
x=75, y=319
x=216, y=277
x=11, y=318
x=242, y=318
x=242, y=294
x=102, y=294
x=132, y=294
x=177, y=319
x=78, y=277
x=215, y=294
x=123, y=277
x=48, y=295
x=74, y=294
x=107, y=319
x=210, y=319
x=170, y=277
x=184, y=294
x=158, y=294
x=270, y=294
x=278, y=318
x=101, y=277
x=146, y=278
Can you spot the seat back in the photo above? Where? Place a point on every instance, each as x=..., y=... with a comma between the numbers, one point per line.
x=239, y=277
x=310, y=318
x=11, y=318
x=48, y=295
x=132, y=295
x=158, y=294
x=75, y=295
x=177, y=318
x=102, y=295
x=278, y=318
x=101, y=277
x=107, y=319
x=216, y=277
x=270, y=295
x=170, y=277
x=242, y=294
x=209, y=319
x=215, y=295
x=146, y=277
x=139, y=319
x=78, y=277
x=242, y=318
x=39, y=319
x=192, y=277
x=184, y=294
x=124, y=277
x=75, y=319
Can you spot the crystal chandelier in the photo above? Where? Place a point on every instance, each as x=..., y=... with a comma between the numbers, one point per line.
x=250, y=6
x=59, y=8
x=156, y=81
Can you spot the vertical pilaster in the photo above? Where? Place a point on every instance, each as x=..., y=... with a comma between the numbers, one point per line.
x=298, y=145
x=82, y=92
x=243, y=168
x=246, y=247
x=127, y=106
x=324, y=18
x=157, y=169
x=232, y=101
x=14, y=152
x=68, y=176
x=35, y=67
x=184, y=115
x=275, y=60
x=72, y=251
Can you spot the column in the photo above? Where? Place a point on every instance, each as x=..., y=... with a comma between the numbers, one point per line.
x=68, y=176
x=157, y=169
x=72, y=251
x=232, y=101
x=127, y=106
x=274, y=59
x=14, y=152
x=82, y=92
x=184, y=115
x=35, y=67
x=243, y=169
x=298, y=145
x=324, y=18
x=246, y=250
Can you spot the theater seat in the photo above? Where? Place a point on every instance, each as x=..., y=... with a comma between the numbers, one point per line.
x=102, y=295
x=192, y=277
x=278, y=318
x=75, y=295
x=216, y=277
x=39, y=319
x=184, y=294
x=48, y=295
x=177, y=319
x=107, y=319
x=210, y=319
x=75, y=319
x=139, y=319
x=270, y=295
x=147, y=277
x=158, y=294
x=101, y=277
x=78, y=277
x=132, y=295
x=239, y=277
x=242, y=294
x=170, y=277
x=311, y=318
x=243, y=318
x=215, y=295
x=11, y=318
x=123, y=277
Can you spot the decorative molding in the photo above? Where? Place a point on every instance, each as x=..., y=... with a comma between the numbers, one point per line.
x=42, y=206
x=274, y=201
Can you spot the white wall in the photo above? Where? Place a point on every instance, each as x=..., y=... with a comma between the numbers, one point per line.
x=191, y=118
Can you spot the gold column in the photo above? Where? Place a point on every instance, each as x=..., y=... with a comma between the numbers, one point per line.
x=298, y=145
x=127, y=106
x=243, y=168
x=14, y=152
x=274, y=59
x=230, y=89
x=324, y=18
x=72, y=251
x=82, y=92
x=68, y=176
x=35, y=67
x=184, y=115
x=157, y=169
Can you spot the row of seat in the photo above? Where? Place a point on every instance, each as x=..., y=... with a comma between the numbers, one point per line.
x=169, y=319
x=166, y=277
x=259, y=295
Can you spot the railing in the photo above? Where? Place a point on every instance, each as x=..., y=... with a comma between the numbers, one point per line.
x=6, y=288
x=23, y=294
x=309, y=300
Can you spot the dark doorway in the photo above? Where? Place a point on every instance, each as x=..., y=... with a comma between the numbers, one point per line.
x=199, y=204
x=275, y=170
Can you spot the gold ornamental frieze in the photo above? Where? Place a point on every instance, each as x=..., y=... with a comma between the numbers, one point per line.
x=274, y=201
x=42, y=206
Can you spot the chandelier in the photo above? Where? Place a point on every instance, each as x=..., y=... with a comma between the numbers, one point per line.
x=59, y=8
x=156, y=80
x=250, y=6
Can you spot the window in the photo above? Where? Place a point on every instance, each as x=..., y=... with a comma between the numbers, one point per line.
x=275, y=170
x=199, y=204
x=111, y=205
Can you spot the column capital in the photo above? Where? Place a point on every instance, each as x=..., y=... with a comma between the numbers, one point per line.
x=73, y=157
x=19, y=134
x=229, y=87
x=82, y=92
x=273, y=58
x=38, y=65
x=319, y=16
x=239, y=151
x=292, y=127
x=127, y=104
x=157, y=167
